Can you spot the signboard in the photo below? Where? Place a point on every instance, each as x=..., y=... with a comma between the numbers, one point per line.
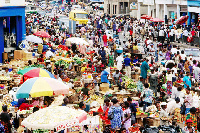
x=133, y=6
x=12, y=3
x=183, y=9
x=148, y=2
x=193, y=3
x=194, y=9
x=96, y=0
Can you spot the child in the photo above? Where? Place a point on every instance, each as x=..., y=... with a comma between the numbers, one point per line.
x=95, y=86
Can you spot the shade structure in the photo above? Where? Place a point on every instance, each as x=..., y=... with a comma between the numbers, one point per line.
x=42, y=86
x=182, y=19
x=145, y=17
x=35, y=72
x=156, y=20
x=77, y=40
x=42, y=34
x=34, y=39
x=56, y=117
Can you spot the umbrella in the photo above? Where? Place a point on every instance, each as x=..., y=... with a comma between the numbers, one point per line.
x=77, y=40
x=54, y=117
x=145, y=17
x=156, y=20
x=35, y=39
x=41, y=86
x=182, y=19
x=35, y=72
x=96, y=4
x=42, y=34
x=169, y=64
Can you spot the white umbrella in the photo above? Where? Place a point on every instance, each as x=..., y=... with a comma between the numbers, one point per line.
x=77, y=40
x=54, y=117
x=96, y=4
x=35, y=39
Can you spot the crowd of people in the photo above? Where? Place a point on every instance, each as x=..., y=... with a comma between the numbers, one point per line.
x=168, y=77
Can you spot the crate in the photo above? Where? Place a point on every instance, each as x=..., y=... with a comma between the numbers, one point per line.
x=27, y=56
x=18, y=54
x=104, y=87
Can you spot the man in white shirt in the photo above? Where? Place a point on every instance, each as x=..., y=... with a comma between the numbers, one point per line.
x=161, y=35
x=49, y=53
x=174, y=50
x=183, y=55
x=185, y=35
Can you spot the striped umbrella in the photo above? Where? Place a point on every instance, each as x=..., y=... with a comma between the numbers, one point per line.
x=182, y=19
x=156, y=20
x=32, y=72
x=42, y=86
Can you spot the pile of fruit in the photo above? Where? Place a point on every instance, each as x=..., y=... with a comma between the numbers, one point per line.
x=79, y=61
x=134, y=128
x=61, y=62
x=129, y=83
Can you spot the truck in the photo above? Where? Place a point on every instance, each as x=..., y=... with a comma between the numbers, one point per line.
x=80, y=16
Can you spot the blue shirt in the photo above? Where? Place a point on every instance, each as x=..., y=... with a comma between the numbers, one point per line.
x=127, y=61
x=187, y=81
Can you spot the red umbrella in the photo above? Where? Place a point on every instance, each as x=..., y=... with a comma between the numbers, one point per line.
x=156, y=20
x=145, y=17
x=182, y=19
x=42, y=34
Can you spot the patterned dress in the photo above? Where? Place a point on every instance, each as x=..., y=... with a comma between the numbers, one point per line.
x=118, y=113
x=1, y=128
x=111, y=62
x=193, y=117
x=148, y=95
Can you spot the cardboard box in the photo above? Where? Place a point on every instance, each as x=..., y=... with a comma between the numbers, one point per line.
x=27, y=56
x=18, y=54
x=104, y=87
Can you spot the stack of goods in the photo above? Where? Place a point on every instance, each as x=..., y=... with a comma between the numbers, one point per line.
x=24, y=112
x=77, y=84
x=134, y=128
x=55, y=117
x=129, y=84
x=7, y=99
x=58, y=100
x=62, y=63
x=18, y=54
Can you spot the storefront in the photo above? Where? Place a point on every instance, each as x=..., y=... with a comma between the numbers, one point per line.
x=12, y=26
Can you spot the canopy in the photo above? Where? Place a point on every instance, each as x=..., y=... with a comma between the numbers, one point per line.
x=35, y=72
x=145, y=17
x=42, y=34
x=182, y=19
x=34, y=39
x=54, y=117
x=156, y=20
x=77, y=40
x=41, y=86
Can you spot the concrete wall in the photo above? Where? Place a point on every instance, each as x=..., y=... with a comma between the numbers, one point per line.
x=12, y=3
x=143, y=10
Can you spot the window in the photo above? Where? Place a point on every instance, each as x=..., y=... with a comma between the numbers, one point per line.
x=7, y=1
x=81, y=16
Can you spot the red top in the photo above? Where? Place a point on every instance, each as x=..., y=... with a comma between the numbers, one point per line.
x=193, y=33
x=104, y=38
x=25, y=106
x=40, y=59
x=131, y=32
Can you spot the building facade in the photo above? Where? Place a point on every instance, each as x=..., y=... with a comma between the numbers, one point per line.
x=12, y=21
x=117, y=7
x=168, y=10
